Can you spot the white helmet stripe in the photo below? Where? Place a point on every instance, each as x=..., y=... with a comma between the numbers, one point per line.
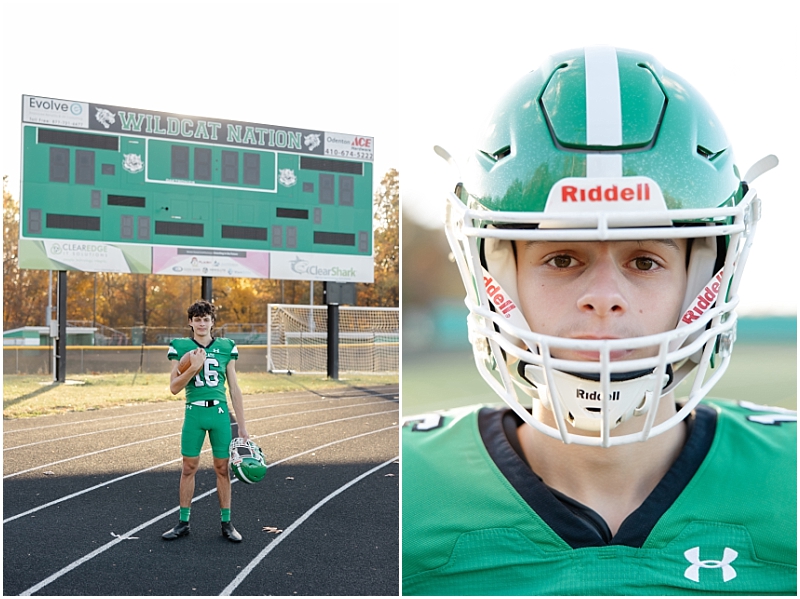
x=603, y=110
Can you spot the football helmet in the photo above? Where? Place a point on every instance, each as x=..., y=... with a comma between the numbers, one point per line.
x=602, y=144
x=247, y=461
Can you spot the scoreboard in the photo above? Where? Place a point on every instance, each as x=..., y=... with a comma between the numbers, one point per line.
x=118, y=189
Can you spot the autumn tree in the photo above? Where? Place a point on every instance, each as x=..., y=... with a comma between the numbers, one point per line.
x=24, y=291
x=385, y=291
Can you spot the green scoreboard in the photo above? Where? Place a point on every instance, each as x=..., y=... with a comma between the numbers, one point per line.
x=115, y=189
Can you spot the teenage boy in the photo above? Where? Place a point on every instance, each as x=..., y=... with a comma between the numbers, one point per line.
x=212, y=363
x=601, y=230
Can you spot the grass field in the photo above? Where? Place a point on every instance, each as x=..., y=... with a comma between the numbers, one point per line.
x=36, y=395
x=761, y=373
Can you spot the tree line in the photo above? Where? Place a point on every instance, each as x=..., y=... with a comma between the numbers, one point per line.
x=124, y=301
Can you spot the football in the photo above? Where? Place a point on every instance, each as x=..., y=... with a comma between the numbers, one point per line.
x=184, y=363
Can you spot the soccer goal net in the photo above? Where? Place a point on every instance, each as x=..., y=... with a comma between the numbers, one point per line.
x=369, y=339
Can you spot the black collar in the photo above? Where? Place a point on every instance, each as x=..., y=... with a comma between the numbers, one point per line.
x=577, y=524
x=198, y=344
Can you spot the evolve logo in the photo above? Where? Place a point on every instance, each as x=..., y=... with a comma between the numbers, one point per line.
x=693, y=571
x=50, y=111
x=55, y=105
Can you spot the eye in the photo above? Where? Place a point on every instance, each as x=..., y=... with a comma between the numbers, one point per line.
x=562, y=261
x=643, y=263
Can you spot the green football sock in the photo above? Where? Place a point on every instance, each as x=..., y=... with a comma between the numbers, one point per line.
x=185, y=513
x=225, y=514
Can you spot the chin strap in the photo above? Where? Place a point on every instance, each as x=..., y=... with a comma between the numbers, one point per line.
x=581, y=397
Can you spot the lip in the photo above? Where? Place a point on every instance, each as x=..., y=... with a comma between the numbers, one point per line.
x=594, y=356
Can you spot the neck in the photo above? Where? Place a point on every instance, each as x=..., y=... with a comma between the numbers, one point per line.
x=202, y=339
x=613, y=481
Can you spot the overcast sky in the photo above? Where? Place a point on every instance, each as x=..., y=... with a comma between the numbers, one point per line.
x=411, y=74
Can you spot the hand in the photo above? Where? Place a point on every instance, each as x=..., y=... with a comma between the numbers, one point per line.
x=243, y=433
x=197, y=358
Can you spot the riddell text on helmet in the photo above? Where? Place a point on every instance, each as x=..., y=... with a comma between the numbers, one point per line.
x=704, y=300
x=500, y=301
x=599, y=193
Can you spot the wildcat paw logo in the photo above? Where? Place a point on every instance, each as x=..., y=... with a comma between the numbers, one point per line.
x=105, y=117
x=286, y=177
x=132, y=163
x=312, y=141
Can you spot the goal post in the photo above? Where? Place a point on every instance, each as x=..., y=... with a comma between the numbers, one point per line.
x=369, y=339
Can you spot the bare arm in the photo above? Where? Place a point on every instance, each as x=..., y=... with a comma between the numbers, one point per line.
x=236, y=398
x=178, y=381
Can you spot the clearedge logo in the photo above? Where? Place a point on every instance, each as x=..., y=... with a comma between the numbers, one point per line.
x=611, y=193
x=704, y=300
x=595, y=395
x=502, y=303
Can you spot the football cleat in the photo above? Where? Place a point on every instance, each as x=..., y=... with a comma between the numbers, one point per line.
x=181, y=529
x=247, y=461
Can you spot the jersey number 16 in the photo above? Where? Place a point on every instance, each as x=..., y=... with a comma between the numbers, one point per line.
x=207, y=376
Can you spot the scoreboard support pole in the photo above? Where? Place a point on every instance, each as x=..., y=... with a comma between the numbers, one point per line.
x=333, y=341
x=61, y=340
x=205, y=288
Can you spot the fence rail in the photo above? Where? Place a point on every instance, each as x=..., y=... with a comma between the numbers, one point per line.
x=88, y=359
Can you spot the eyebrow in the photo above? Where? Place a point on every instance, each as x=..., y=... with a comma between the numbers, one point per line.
x=667, y=242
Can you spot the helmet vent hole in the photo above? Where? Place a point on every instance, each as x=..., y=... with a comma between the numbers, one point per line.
x=709, y=155
x=502, y=153
x=594, y=410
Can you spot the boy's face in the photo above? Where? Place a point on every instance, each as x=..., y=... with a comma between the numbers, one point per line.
x=201, y=324
x=601, y=290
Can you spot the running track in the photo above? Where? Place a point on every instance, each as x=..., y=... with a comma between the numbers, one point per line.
x=86, y=496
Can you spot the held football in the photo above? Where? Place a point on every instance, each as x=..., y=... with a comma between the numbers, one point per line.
x=185, y=362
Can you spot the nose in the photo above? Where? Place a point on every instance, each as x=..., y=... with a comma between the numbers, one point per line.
x=603, y=289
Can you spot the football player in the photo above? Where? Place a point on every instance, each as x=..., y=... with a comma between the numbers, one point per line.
x=601, y=229
x=211, y=362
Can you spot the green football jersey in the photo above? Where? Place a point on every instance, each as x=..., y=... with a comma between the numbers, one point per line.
x=208, y=383
x=478, y=521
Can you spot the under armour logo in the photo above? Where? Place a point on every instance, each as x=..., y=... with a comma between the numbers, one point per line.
x=693, y=571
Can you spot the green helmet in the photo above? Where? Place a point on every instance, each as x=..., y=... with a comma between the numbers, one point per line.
x=602, y=144
x=602, y=112
x=247, y=461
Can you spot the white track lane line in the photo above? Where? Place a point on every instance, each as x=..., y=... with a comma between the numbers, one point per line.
x=108, y=430
x=268, y=549
x=115, y=480
x=40, y=585
x=105, y=430
x=323, y=398
x=177, y=434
